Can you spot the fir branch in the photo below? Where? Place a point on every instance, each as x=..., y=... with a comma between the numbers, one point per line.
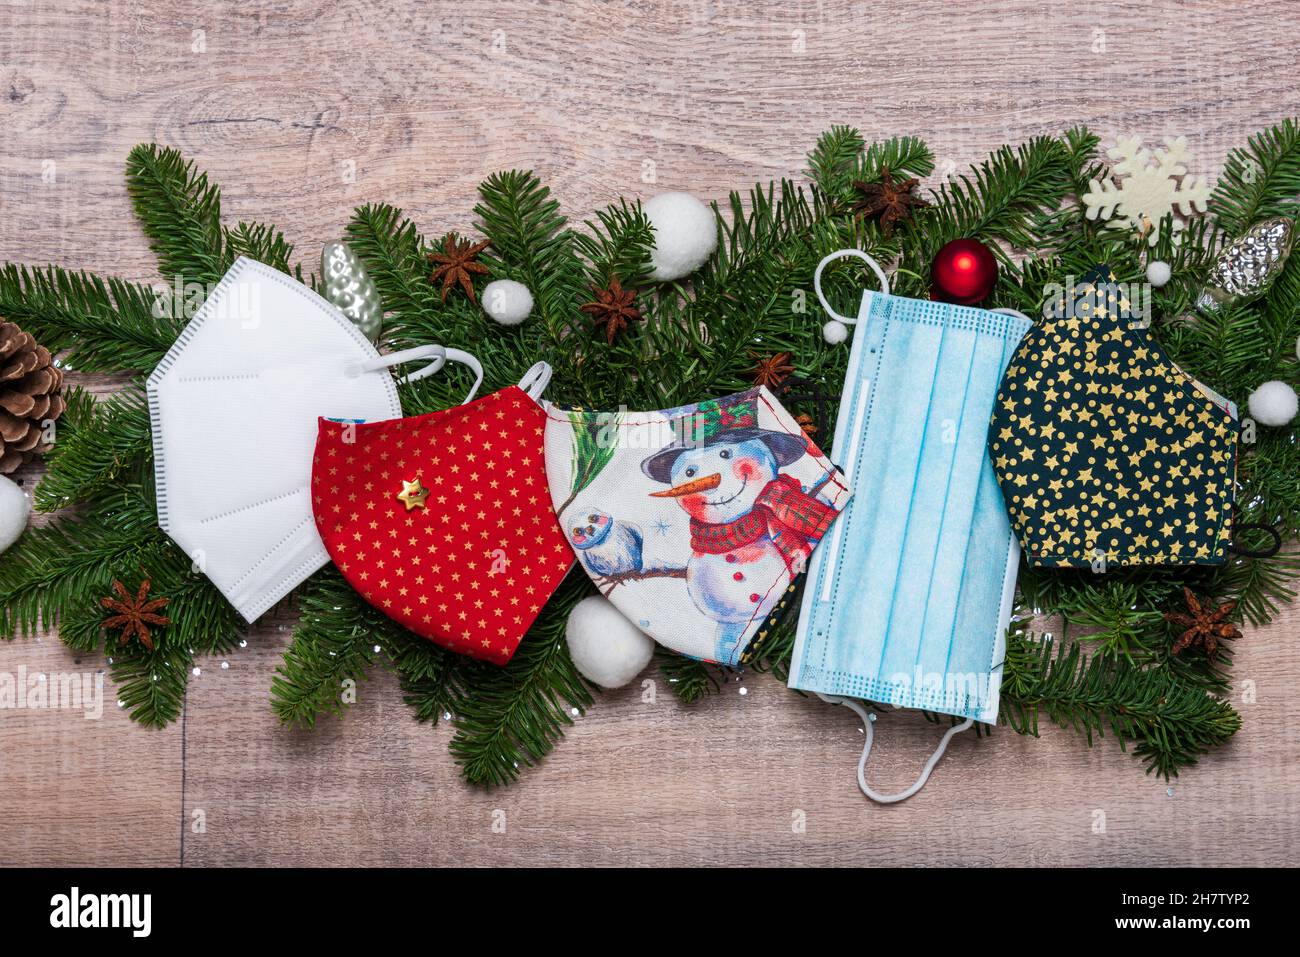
x=830, y=162
x=516, y=714
x=1281, y=321
x=1112, y=623
x=69, y=564
x=903, y=156
x=530, y=236
x=151, y=684
x=392, y=250
x=333, y=642
x=689, y=678
x=179, y=211
x=1260, y=585
x=1171, y=724
x=777, y=652
x=433, y=679
x=98, y=325
x=751, y=295
x=1219, y=348
x=618, y=244
x=1002, y=199
x=95, y=447
x=394, y=254
x=756, y=232
x=1259, y=181
x=266, y=244
x=1267, y=472
x=1082, y=163
x=841, y=158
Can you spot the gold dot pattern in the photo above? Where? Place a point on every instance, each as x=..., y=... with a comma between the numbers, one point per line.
x=1105, y=449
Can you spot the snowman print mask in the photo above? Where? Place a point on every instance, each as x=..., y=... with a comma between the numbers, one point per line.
x=693, y=521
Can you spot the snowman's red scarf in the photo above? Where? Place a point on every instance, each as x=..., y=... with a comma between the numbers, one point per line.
x=784, y=511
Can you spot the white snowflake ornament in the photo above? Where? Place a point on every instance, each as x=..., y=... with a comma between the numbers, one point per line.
x=1145, y=186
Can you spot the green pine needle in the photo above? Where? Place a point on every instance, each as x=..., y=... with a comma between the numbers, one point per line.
x=97, y=325
x=1259, y=181
x=332, y=644
x=1169, y=723
x=179, y=211
x=97, y=444
x=689, y=678
x=516, y=714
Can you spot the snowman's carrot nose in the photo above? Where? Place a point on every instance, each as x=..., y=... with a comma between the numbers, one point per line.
x=690, y=488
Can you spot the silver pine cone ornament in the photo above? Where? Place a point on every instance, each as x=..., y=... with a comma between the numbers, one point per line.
x=1247, y=266
x=349, y=287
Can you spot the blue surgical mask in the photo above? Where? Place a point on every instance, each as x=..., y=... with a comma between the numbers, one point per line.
x=908, y=601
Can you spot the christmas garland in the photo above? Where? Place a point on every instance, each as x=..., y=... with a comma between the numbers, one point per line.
x=745, y=314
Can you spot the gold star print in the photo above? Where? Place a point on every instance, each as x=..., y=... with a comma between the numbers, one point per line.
x=1136, y=459
x=413, y=494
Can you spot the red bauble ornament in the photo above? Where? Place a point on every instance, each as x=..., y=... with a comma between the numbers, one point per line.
x=964, y=272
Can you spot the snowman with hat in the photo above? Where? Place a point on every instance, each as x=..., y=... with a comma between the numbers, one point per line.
x=751, y=527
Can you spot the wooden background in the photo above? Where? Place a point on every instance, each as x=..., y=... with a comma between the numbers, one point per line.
x=278, y=101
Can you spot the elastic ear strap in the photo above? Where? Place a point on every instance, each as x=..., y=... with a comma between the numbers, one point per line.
x=464, y=358
x=844, y=254
x=535, y=380
x=1255, y=552
x=437, y=353
x=866, y=752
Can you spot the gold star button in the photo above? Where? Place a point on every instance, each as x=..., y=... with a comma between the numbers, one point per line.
x=413, y=494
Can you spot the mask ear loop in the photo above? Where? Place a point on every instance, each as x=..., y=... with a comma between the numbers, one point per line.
x=1008, y=311
x=1244, y=552
x=836, y=330
x=535, y=380
x=439, y=354
x=866, y=752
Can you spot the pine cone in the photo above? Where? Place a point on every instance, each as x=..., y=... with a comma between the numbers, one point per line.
x=29, y=395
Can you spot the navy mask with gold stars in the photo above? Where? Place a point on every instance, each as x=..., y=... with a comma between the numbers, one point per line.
x=1107, y=453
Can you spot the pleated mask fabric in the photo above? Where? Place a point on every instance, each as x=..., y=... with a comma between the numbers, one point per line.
x=233, y=407
x=908, y=601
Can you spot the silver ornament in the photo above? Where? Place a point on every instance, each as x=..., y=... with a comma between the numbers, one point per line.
x=1247, y=267
x=349, y=287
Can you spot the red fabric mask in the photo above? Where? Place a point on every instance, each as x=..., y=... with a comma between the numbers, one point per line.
x=444, y=521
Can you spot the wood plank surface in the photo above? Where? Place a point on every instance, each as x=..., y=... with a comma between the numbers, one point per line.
x=304, y=110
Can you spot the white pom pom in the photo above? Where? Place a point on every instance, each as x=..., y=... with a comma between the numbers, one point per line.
x=1273, y=403
x=1158, y=273
x=507, y=301
x=686, y=234
x=835, y=332
x=14, y=509
x=605, y=647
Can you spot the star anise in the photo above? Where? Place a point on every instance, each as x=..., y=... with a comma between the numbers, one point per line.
x=613, y=308
x=772, y=370
x=135, y=613
x=888, y=201
x=457, y=263
x=1205, y=625
x=806, y=424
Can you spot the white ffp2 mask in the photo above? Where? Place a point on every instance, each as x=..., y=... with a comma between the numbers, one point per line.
x=234, y=407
